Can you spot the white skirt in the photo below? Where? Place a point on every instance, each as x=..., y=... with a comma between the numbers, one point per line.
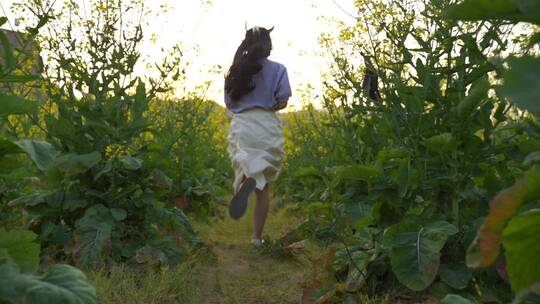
x=256, y=146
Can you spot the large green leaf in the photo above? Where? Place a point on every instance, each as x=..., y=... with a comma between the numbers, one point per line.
x=306, y=172
x=414, y=97
x=485, y=249
x=522, y=83
x=514, y=10
x=531, y=159
x=29, y=200
x=13, y=283
x=171, y=234
x=414, y=251
x=10, y=105
x=477, y=93
x=21, y=247
x=173, y=220
x=93, y=234
x=131, y=163
x=403, y=178
x=456, y=276
x=530, y=8
x=42, y=153
x=358, y=264
x=160, y=179
x=367, y=173
x=442, y=143
x=66, y=129
x=386, y=155
x=8, y=147
x=528, y=296
x=118, y=214
x=62, y=284
x=520, y=239
x=455, y=299
x=7, y=52
x=75, y=163
x=135, y=127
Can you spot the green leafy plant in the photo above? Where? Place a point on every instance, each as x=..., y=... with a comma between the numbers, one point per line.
x=414, y=251
x=404, y=179
x=19, y=257
x=189, y=143
x=98, y=201
x=19, y=251
x=507, y=223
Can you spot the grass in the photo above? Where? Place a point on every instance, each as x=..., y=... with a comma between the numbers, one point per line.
x=128, y=285
x=233, y=272
x=243, y=274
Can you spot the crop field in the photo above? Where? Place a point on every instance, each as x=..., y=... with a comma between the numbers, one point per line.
x=415, y=180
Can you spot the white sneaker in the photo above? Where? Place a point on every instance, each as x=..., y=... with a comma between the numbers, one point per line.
x=257, y=242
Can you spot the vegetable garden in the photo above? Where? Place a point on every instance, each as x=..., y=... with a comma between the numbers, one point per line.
x=418, y=181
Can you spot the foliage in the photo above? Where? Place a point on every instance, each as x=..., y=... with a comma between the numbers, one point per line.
x=439, y=143
x=514, y=10
x=128, y=285
x=505, y=221
x=521, y=83
x=414, y=251
x=455, y=299
x=108, y=155
x=190, y=145
x=19, y=257
x=520, y=244
x=19, y=248
x=99, y=163
x=19, y=253
x=485, y=249
x=61, y=284
x=109, y=171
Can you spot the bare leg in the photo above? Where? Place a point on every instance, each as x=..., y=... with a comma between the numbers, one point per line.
x=261, y=211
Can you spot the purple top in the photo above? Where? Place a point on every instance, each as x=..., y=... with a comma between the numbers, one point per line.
x=271, y=85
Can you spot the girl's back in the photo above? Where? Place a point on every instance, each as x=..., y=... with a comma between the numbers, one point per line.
x=271, y=86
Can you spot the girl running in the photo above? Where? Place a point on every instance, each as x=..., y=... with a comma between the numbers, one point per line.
x=255, y=89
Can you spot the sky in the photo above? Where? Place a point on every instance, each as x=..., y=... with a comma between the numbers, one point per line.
x=215, y=30
x=219, y=28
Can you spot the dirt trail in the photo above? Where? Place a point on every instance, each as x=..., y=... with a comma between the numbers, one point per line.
x=242, y=274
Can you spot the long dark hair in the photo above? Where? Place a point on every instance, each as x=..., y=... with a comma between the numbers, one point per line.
x=255, y=46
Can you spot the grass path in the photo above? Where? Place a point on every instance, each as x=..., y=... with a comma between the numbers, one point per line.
x=239, y=273
x=243, y=274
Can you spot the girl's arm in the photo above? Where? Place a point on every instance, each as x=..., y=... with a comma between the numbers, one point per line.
x=283, y=90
